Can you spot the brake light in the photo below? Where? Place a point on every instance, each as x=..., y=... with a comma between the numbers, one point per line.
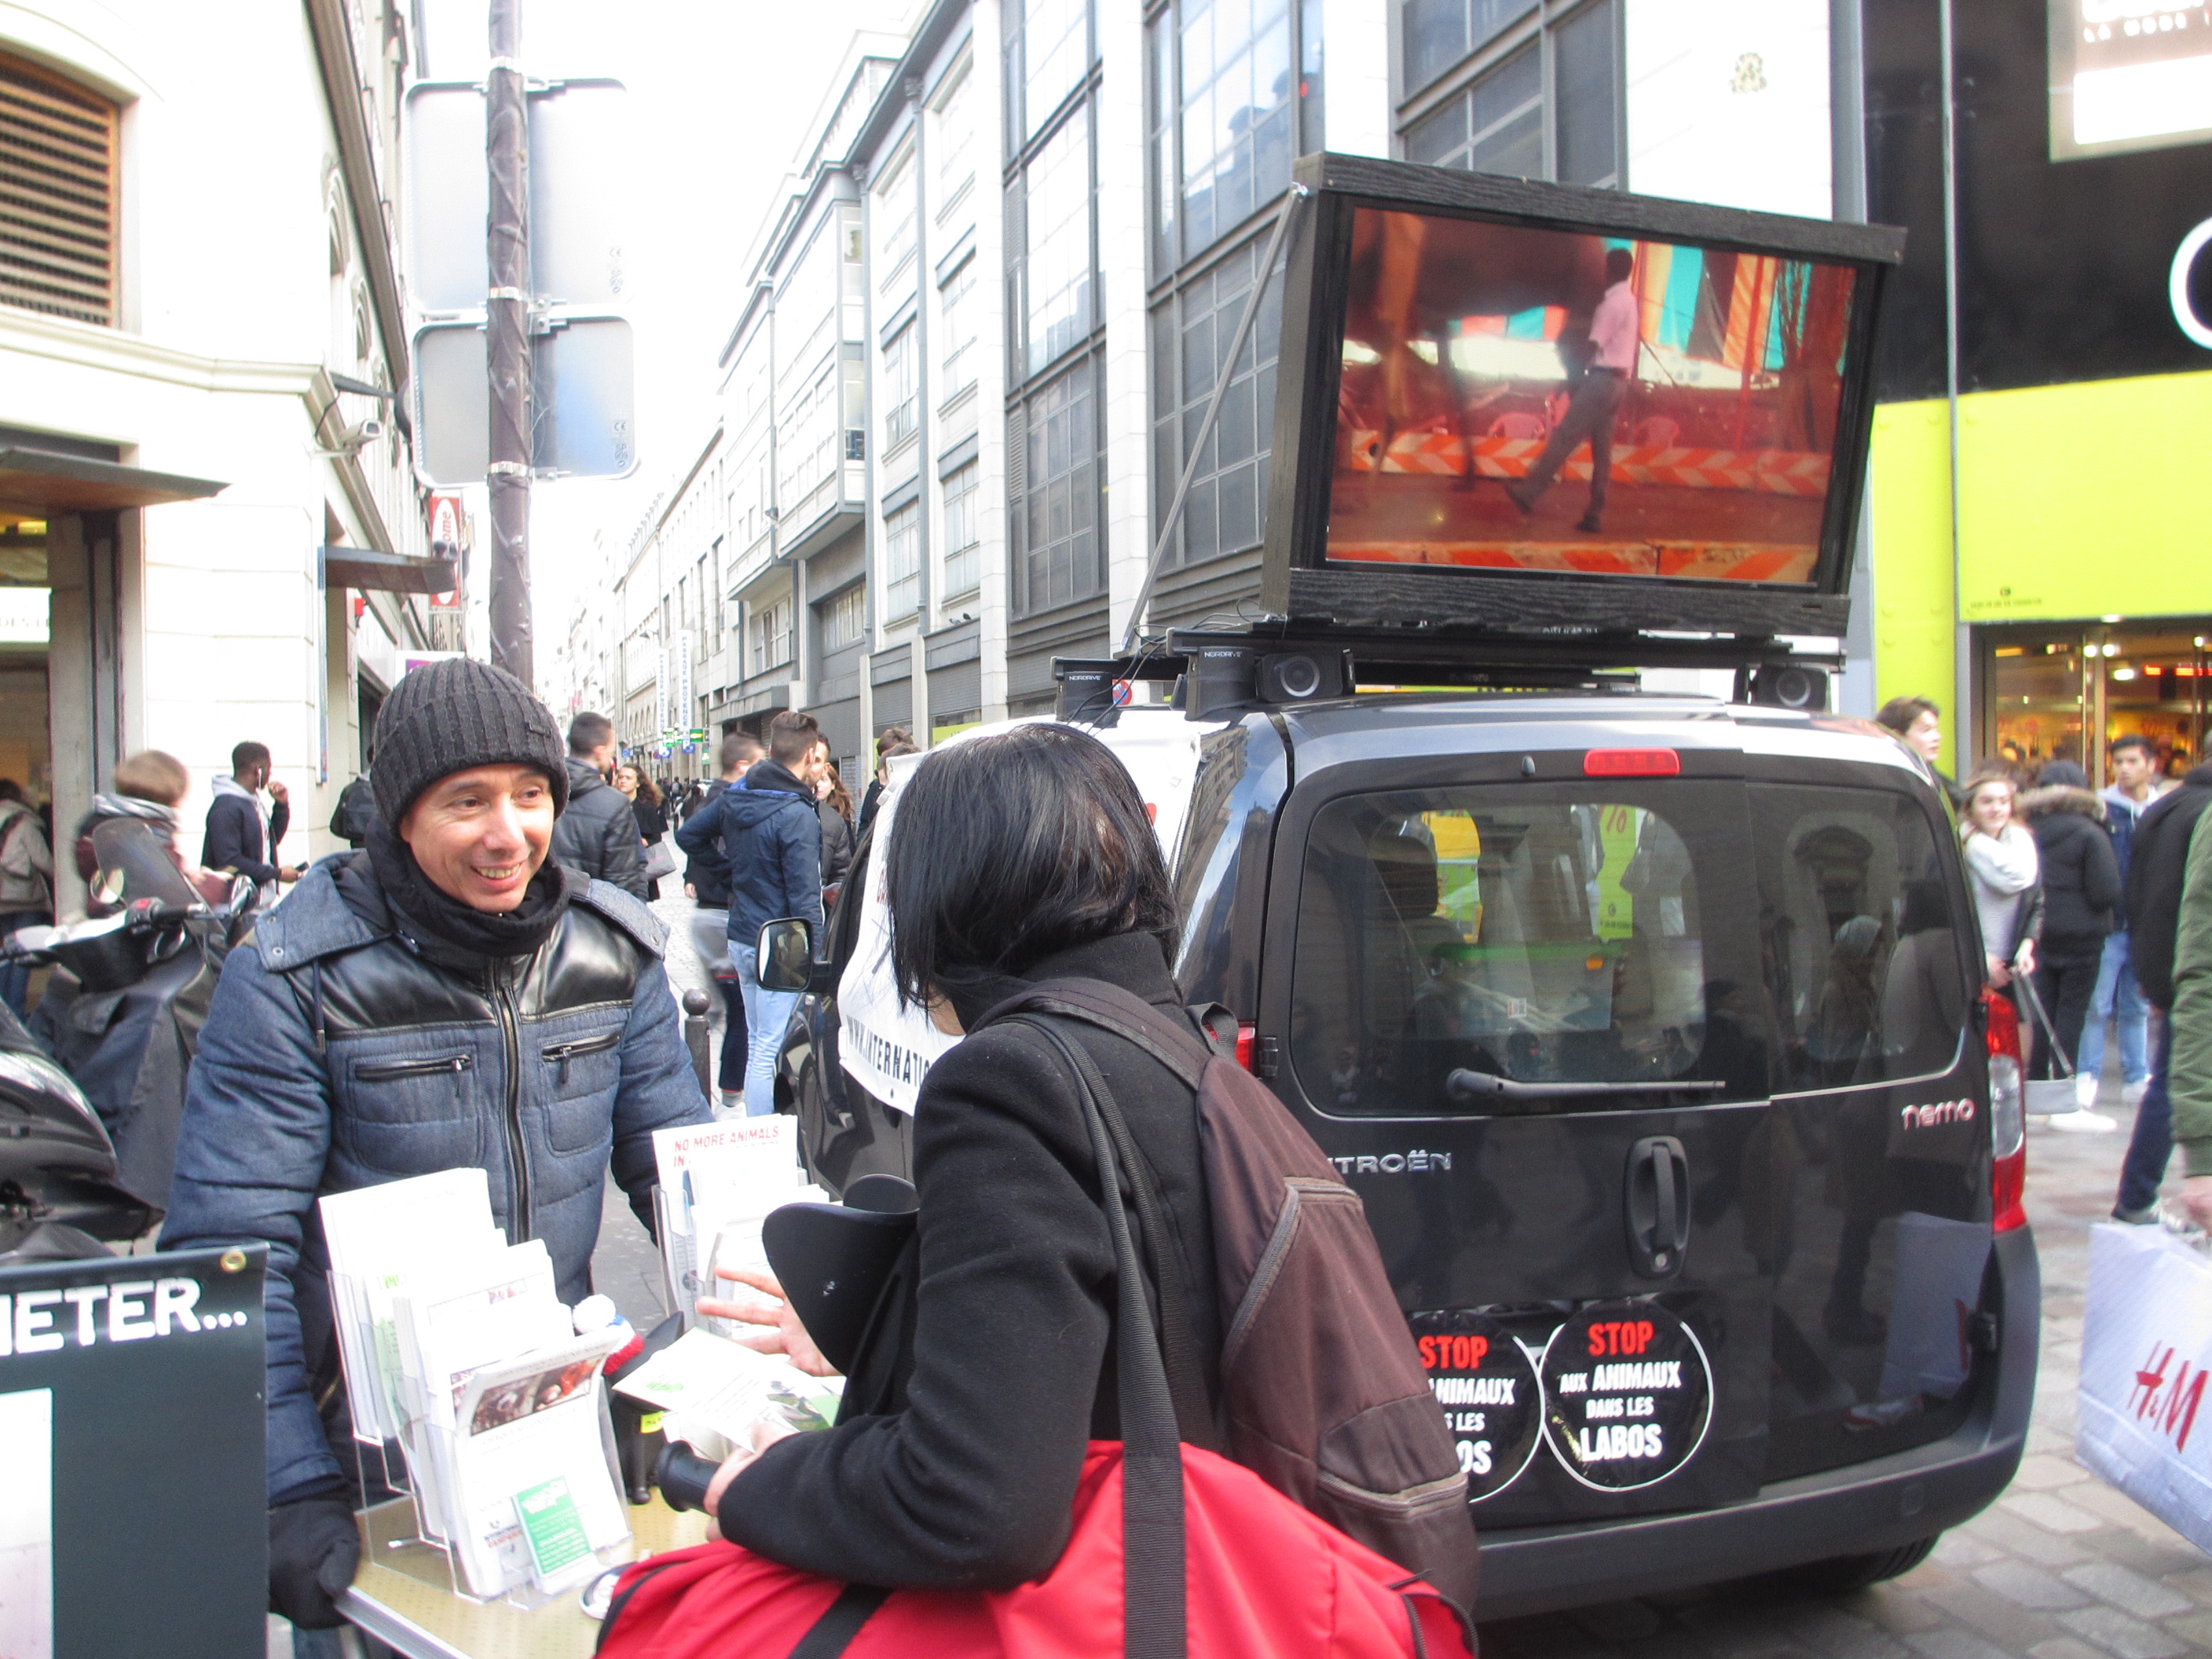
x=1247, y=1040
x=1631, y=763
x=2008, y=1116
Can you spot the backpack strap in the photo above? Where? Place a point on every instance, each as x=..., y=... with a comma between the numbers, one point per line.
x=1174, y=1044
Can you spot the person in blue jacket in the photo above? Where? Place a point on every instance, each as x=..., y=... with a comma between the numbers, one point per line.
x=771, y=843
x=446, y=998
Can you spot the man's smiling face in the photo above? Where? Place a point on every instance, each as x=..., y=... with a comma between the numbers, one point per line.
x=481, y=835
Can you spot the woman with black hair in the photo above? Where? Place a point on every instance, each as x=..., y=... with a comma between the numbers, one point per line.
x=1012, y=859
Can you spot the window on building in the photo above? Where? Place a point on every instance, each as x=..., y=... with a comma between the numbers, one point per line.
x=845, y=618
x=771, y=636
x=895, y=210
x=1537, y=95
x=57, y=163
x=962, y=533
x=1191, y=331
x=902, y=562
x=1054, y=273
x=956, y=314
x=956, y=140
x=1055, y=497
x=1048, y=55
x=901, y=389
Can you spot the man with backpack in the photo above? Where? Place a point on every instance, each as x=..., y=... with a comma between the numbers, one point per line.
x=355, y=811
x=770, y=840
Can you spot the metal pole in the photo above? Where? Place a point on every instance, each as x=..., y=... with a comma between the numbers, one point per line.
x=1136, y=627
x=506, y=353
x=1962, y=640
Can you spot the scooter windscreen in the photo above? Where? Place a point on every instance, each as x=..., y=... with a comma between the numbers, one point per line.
x=135, y=866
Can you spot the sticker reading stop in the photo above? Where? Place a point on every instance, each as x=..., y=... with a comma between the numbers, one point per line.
x=1486, y=1385
x=1628, y=1394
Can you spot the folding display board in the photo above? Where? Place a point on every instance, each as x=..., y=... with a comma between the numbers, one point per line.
x=1460, y=351
x=133, y=1504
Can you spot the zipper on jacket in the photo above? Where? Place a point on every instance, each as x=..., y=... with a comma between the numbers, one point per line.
x=517, y=1156
x=560, y=1054
x=387, y=1071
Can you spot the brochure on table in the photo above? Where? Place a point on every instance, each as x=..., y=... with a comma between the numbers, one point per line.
x=718, y=1182
x=457, y=1349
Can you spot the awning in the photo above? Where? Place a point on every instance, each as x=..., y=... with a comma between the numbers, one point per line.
x=39, y=481
x=365, y=569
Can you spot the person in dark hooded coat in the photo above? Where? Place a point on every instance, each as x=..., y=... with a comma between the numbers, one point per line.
x=2081, y=890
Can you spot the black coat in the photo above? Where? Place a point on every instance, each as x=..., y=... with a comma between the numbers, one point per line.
x=233, y=836
x=2156, y=863
x=2081, y=872
x=972, y=1484
x=598, y=833
x=836, y=843
x=705, y=871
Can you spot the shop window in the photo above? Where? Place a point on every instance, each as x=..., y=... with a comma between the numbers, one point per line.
x=57, y=165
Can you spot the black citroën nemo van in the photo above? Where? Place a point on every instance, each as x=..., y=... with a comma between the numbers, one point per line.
x=1649, y=1027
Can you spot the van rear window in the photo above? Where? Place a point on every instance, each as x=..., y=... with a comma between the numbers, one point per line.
x=1538, y=932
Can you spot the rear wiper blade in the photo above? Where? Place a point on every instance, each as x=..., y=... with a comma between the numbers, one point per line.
x=1481, y=1085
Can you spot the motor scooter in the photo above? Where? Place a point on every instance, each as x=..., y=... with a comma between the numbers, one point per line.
x=59, y=1197
x=122, y=1013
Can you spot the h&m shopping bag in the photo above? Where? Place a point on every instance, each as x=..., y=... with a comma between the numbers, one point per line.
x=2145, y=1423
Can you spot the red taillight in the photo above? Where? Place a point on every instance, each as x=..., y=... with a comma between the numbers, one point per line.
x=2007, y=1119
x=1246, y=1039
x=1631, y=763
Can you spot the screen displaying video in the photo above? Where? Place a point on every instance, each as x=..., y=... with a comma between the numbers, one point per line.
x=2127, y=74
x=1520, y=398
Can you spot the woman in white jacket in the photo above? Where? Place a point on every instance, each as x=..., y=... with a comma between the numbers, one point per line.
x=2006, y=874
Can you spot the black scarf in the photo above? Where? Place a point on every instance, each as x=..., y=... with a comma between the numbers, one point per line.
x=449, y=932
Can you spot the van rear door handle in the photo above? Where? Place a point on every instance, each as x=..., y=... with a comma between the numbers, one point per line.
x=1656, y=1199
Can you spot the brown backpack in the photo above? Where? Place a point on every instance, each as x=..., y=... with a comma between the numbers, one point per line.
x=1322, y=1392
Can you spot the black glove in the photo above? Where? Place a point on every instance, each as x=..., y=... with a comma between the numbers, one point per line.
x=313, y=1551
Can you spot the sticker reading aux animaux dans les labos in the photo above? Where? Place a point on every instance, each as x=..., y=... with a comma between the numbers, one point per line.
x=1628, y=1394
x=1486, y=1385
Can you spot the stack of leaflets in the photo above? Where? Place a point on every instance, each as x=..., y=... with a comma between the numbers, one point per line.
x=456, y=1345
x=715, y=1391
x=718, y=1182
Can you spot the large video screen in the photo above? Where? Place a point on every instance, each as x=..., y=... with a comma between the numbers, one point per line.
x=1526, y=398
x=2127, y=74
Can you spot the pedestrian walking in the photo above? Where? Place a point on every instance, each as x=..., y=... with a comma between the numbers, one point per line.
x=885, y=753
x=707, y=882
x=2158, y=861
x=1919, y=724
x=645, y=797
x=890, y=739
x=2082, y=891
x=833, y=804
x=2190, y=1087
x=598, y=833
x=1594, y=402
x=365, y=1031
x=241, y=834
x=2117, y=997
x=26, y=883
x=770, y=838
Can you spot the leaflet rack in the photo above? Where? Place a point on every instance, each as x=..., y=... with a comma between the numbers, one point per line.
x=1216, y=674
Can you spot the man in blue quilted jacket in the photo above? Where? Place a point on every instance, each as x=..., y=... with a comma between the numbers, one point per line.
x=445, y=998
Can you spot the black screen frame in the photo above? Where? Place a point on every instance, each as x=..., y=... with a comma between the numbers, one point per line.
x=1299, y=580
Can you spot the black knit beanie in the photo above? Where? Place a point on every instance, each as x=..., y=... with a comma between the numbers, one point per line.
x=447, y=716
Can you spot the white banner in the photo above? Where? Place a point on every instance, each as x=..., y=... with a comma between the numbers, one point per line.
x=2142, y=1421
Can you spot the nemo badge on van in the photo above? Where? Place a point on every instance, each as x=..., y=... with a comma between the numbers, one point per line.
x=1628, y=1394
x=1487, y=1387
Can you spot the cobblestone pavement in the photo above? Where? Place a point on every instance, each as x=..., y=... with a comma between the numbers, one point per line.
x=2061, y=1567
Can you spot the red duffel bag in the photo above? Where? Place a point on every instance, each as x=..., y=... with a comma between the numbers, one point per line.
x=1174, y=1551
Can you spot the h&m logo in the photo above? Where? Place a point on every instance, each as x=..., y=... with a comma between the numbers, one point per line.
x=2168, y=1405
x=1942, y=1111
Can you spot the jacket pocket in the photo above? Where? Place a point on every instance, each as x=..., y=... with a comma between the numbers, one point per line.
x=411, y=1115
x=580, y=1074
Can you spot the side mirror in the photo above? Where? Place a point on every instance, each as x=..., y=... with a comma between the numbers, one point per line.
x=785, y=955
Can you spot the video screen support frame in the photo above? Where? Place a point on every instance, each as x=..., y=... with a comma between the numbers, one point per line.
x=1297, y=580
